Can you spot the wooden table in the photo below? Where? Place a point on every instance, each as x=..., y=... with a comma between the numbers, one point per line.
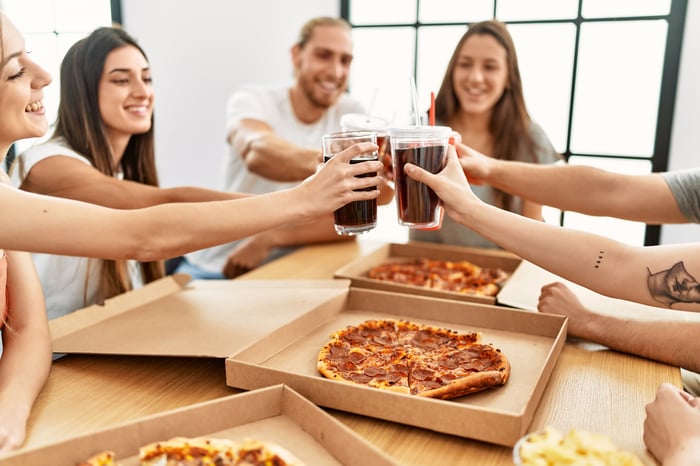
x=591, y=388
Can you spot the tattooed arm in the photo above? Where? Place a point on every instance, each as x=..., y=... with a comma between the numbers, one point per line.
x=642, y=274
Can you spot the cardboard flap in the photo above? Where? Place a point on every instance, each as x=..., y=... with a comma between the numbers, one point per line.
x=203, y=319
x=523, y=290
x=94, y=314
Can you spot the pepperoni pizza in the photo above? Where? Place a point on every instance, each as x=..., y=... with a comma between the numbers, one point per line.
x=457, y=276
x=412, y=358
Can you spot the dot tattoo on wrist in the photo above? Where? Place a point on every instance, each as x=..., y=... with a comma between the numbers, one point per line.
x=599, y=259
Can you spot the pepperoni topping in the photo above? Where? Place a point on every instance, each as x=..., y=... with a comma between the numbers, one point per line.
x=422, y=374
x=373, y=371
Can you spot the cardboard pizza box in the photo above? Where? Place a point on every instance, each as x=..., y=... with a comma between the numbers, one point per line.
x=270, y=332
x=356, y=270
x=531, y=341
x=275, y=414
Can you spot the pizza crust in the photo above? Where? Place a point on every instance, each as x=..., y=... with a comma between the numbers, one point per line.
x=476, y=382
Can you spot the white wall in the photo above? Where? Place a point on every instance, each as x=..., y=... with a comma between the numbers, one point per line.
x=201, y=54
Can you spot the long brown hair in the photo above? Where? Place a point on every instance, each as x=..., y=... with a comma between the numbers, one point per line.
x=79, y=122
x=510, y=122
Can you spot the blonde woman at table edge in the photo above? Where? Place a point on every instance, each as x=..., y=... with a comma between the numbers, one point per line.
x=52, y=225
x=654, y=275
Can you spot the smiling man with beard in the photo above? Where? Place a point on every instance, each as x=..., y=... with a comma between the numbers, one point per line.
x=274, y=136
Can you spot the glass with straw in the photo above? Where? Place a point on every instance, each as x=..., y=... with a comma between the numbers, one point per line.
x=425, y=146
x=366, y=122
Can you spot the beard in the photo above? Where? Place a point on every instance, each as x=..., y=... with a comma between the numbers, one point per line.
x=323, y=101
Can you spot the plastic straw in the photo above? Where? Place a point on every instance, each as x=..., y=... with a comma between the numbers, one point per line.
x=431, y=113
x=414, y=96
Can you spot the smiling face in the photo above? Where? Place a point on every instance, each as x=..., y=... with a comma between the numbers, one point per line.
x=21, y=84
x=480, y=74
x=322, y=65
x=125, y=93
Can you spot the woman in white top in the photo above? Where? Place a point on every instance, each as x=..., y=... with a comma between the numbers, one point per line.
x=48, y=224
x=101, y=151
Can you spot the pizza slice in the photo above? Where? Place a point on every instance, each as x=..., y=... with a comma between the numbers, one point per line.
x=182, y=451
x=104, y=458
x=385, y=368
x=427, y=338
x=257, y=453
x=451, y=373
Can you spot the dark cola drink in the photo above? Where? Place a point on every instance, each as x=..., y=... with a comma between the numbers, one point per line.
x=418, y=205
x=359, y=216
x=384, y=153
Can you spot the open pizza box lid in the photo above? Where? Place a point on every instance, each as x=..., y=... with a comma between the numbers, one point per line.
x=271, y=331
x=274, y=414
x=204, y=318
x=357, y=269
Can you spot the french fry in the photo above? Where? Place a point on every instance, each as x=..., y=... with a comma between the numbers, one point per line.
x=575, y=448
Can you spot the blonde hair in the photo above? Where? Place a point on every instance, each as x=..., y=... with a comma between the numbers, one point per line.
x=307, y=29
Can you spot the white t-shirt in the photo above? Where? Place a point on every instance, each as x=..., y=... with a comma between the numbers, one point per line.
x=273, y=106
x=69, y=283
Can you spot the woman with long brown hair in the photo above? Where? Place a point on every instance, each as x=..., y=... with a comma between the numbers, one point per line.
x=51, y=225
x=102, y=152
x=481, y=98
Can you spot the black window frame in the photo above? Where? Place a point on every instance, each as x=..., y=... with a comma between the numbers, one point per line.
x=667, y=95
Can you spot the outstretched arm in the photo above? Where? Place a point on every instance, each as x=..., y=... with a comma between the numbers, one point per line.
x=251, y=252
x=659, y=276
x=270, y=156
x=579, y=188
x=60, y=226
x=83, y=182
x=646, y=338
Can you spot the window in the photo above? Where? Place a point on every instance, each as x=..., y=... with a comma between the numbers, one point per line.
x=598, y=75
x=50, y=28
